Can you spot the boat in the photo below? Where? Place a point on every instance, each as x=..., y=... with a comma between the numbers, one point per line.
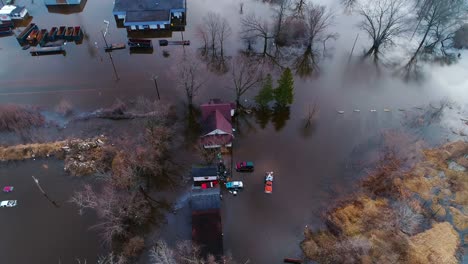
x=292, y=260
x=164, y=42
x=140, y=43
x=47, y=50
x=25, y=33
x=77, y=33
x=61, y=32
x=69, y=33
x=7, y=24
x=56, y=43
x=8, y=189
x=52, y=33
x=5, y=31
x=32, y=38
x=115, y=46
x=42, y=37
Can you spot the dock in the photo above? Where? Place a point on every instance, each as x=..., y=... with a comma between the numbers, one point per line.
x=47, y=50
x=140, y=43
x=164, y=42
x=115, y=46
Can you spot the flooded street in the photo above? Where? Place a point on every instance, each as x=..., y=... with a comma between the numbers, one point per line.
x=312, y=165
x=35, y=231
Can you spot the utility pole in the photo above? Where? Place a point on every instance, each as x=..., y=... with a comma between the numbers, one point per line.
x=110, y=56
x=43, y=192
x=352, y=50
x=155, y=78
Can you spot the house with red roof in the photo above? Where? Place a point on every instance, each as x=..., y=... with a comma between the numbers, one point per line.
x=217, y=124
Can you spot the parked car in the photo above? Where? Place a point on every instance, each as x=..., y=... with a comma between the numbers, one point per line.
x=245, y=166
x=234, y=185
x=269, y=182
x=8, y=203
x=8, y=189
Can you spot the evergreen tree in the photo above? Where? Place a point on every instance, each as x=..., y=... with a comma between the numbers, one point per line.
x=265, y=95
x=284, y=92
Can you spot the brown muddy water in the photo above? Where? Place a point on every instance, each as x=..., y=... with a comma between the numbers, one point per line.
x=313, y=166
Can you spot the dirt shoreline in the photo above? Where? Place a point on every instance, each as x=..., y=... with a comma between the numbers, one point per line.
x=418, y=215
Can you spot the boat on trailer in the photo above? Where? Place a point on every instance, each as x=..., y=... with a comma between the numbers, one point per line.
x=5, y=31
x=42, y=37
x=52, y=34
x=21, y=38
x=77, y=33
x=115, y=46
x=61, y=32
x=32, y=37
x=47, y=50
x=164, y=42
x=69, y=33
x=140, y=43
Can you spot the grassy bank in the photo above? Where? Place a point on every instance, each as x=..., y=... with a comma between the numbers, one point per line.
x=415, y=215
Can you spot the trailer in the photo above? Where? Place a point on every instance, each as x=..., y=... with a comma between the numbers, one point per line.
x=47, y=50
x=115, y=46
x=25, y=33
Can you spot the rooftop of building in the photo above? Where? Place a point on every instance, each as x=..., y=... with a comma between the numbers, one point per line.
x=147, y=5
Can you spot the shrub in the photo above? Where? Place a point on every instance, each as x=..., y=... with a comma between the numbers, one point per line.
x=17, y=118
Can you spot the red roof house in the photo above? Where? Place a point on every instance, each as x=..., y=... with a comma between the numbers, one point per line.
x=216, y=123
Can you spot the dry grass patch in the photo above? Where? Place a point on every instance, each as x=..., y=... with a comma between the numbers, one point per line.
x=38, y=150
x=437, y=245
x=460, y=220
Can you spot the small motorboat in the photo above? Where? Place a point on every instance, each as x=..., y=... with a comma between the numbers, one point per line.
x=8, y=189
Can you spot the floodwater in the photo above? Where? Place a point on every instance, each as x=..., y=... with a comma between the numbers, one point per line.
x=36, y=231
x=311, y=165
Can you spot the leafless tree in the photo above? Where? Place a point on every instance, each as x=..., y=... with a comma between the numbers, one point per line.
x=299, y=7
x=223, y=33
x=189, y=76
x=383, y=20
x=437, y=21
x=281, y=13
x=253, y=26
x=162, y=254
x=112, y=258
x=246, y=74
x=203, y=35
x=211, y=22
x=215, y=32
x=349, y=4
x=317, y=20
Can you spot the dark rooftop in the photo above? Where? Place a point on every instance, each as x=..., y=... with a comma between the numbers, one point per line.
x=147, y=5
x=207, y=232
x=143, y=16
x=205, y=199
x=204, y=171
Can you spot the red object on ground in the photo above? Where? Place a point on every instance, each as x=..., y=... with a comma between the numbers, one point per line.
x=204, y=186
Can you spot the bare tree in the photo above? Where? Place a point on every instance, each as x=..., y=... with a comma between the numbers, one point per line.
x=299, y=7
x=246, y=74
x=349, y=4
x=223, y=33
x=382, y=21
x=283, y=7
x=211, y=21
x=437, y=21
x=162, y=254
x=253, y=26
x=317, y=19
x=214, y=32
x=203, y=35
x=189, y=76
